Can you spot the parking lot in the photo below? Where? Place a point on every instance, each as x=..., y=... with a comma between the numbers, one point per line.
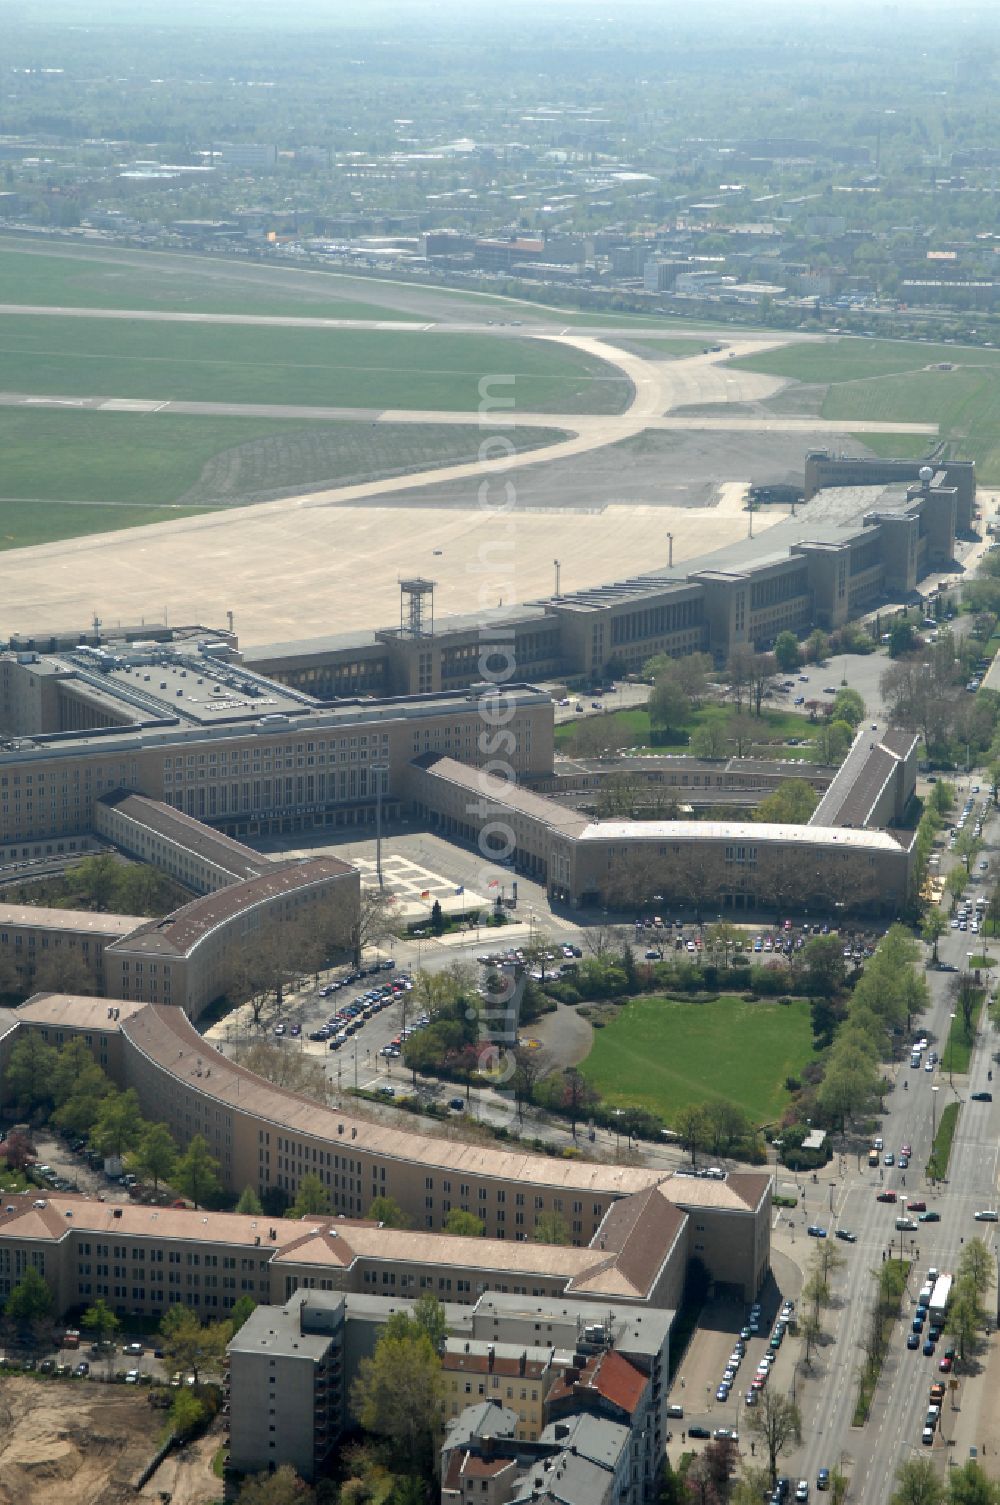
x=726, y=1326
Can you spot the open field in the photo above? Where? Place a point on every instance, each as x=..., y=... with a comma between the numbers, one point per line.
x=776, y=727
x=662, y=1055
x=103, y=282
x=882, y=380
x=357, y=368
x=76, y=1441
x=72, y=276
x=71, y=472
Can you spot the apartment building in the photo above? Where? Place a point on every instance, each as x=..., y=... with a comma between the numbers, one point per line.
x=518, y=1377
x=285, y=1383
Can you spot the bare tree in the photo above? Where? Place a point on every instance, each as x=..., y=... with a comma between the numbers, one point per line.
x=739, y=671
x=762, y=667
x=778, y=1423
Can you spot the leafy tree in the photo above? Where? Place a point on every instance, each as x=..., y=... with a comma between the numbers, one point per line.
x=823, y=965
x=437, y=917
x=848, y=706
x=976, y=1265
x=693, y=1129
x=966, y=997
x=283, y=1487
x=817, y=646
x=187, y=1344
x=155, y=1155
x=464, y=1224
x=118, y=1125
x=187, y=1413
x=386, y=1210
x=196, y=1174
x=398, y=1396
x=902, y=639
x=18, y=1150
x=918, y=1483
x=786, y=652
x=965, y=1316
x=427, y=1317
x=792, y=803
x=728, y=1125
x=30, y=1300
x=242, y=1310
x=968, y=846
x=833, y=740
x=312, y=1199
x=849, y=1084
x=669, y=708
x=968, y=1485
x=551, y=1228
x=777, y=1423
x=27, y=1081
x=249, y=1204
x=934, y=927
x=101, y=1321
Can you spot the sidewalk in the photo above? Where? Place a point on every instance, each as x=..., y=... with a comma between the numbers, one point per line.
x=976, y=1421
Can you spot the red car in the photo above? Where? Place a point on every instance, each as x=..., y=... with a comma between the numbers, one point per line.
x=885, y=1196
x=945, y=1366
x=916, y=1206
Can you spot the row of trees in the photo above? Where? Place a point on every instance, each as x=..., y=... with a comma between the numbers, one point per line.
x=889, y=993
x=924, y=691
x=66, y=1086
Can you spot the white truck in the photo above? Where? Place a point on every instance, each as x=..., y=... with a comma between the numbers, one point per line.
x=940, y=1297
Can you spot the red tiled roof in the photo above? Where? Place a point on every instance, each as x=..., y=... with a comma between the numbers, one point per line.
x=608, y=1375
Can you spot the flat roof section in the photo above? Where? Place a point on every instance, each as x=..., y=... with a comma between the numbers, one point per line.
x=76, y=1011
x=74, y=921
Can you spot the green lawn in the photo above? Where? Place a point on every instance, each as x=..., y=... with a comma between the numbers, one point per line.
x=775, y=730
x=69, y=472
x=937, y=1165
x=663, y=1055
x=32, y=277
x=897, y=446
x=957, y=1052
x=339, y=367
x=883, y=380
x=216, y=285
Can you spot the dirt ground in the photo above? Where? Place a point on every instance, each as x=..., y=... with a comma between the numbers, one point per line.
x=83, y=1443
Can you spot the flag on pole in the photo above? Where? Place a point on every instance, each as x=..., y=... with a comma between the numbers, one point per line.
x=425, y=893
x=460, y=889
x=494, y=883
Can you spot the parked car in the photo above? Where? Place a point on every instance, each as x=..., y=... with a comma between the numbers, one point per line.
x=816, y=1231
x=847, y=1236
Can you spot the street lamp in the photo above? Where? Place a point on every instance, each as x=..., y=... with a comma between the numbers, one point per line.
x=618, y=1127
x=379, y=770
x=951, y=1045
x=934, y=1093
